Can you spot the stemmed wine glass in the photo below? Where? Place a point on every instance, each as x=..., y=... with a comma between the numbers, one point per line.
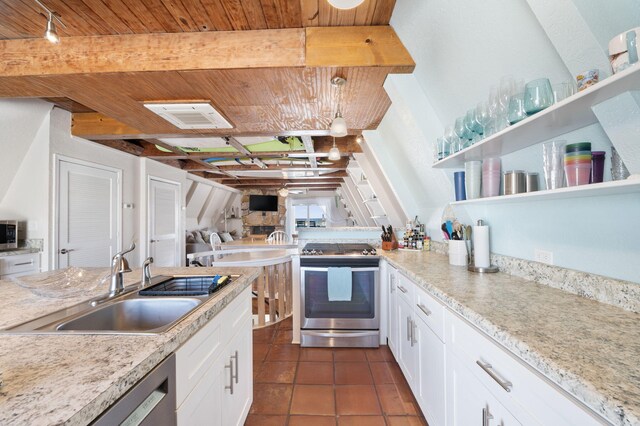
x=461, y=131
x=482, y=116
x=450, y=136
x=471, y=126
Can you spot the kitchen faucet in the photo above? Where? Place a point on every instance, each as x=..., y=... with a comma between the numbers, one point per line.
x=146, y=271
x=119, y=265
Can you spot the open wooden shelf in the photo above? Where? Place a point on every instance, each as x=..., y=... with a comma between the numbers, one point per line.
x=628, y=186
x=566, y=116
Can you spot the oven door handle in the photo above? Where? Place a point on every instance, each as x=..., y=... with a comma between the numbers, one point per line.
x=338, y=333
x=325, y=269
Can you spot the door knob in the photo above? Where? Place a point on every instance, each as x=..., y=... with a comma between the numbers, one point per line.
x=65, y=251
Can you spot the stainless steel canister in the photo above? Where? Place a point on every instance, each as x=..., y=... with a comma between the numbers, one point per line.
x=532, y=182
x=515, y=182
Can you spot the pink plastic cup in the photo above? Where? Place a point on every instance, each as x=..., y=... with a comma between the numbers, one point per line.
x=577, y=174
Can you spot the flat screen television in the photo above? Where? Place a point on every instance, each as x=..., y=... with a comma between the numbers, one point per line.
x=263, y=203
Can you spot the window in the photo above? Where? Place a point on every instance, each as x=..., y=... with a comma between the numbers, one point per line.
x=310, y=216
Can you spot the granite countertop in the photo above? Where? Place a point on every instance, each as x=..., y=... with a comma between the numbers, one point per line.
x=23, y=250
x=590, y=349
x=67, y=379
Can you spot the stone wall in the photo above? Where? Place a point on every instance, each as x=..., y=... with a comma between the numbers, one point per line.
x=250, y=219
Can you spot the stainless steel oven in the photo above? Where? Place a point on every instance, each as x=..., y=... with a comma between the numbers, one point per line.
x=345, y=323
x=8, y=234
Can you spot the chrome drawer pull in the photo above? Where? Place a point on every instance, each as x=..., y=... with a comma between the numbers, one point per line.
x=424, y=309
x=230, y=367
x=236, y=358
x=413, y=333
x=486, y=416
x=408, y=328
x=23, y=263
x=505, y=384
x=402, y=289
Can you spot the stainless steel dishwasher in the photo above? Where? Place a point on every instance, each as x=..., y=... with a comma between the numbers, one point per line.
x=151, y=401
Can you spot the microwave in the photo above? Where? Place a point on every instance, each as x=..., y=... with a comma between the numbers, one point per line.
x=8, y=234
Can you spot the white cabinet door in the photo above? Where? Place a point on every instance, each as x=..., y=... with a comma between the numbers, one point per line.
x=393, y=328
x=430, y=386
x=237, y=399
x=203, y=406
x=470, y=402
x=407, y=354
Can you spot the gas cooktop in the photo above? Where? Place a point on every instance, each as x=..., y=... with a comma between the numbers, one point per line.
x=338, y=249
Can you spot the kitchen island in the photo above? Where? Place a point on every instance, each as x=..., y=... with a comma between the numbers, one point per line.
x=589, y=349
x=70, y=379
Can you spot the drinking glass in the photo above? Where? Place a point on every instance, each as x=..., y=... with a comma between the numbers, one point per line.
x=516, y=108
x=459, y=128
x=507, y=87
x=470, y=124
x=553, y=162
x=483, y=116
x=442, y=148
x=538, y=95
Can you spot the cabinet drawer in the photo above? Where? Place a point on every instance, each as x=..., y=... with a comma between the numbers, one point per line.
x=405, y=288
x=430, y=311
x=20, y=264
x=524, y=391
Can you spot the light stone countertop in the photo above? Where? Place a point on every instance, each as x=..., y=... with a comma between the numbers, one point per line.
x=71, y=379
x=590, y=349
x=22, y=250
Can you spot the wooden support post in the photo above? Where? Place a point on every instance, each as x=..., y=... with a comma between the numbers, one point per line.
x=281, y=291
x=289, y=283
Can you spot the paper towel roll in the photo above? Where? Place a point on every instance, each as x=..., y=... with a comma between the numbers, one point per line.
x=481, y=246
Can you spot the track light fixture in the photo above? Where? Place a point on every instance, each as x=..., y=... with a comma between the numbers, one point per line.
x=51, y=32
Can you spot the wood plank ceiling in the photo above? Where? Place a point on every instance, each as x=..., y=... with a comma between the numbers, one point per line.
x=264, y=100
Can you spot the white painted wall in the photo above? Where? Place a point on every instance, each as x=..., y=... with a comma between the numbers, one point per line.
x=618, y=16
x=461, y=48
x=27, y=195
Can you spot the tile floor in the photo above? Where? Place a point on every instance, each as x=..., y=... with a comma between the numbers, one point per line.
x=317, y=386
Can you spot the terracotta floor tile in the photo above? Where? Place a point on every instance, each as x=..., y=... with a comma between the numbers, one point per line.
x=286, y=324
x=316, y=354
x=257, y=368
x=264, y=335
x=283, y=353
x=349, y=355
x=405, y=421
x=313, y=400
x=312, y=421
x=283, y=337
x=361, y=421
x=396, y=372
x=277, y=372
x=260, y=351
x=315, y=373
x=264, y=420
x=353, y=373
x=381, y=354
x=271, y=398
x=381, y=373
x=357, y=399
x=393, y=403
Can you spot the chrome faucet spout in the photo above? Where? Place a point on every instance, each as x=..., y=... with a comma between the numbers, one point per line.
x=119, y=265
x=146, y=271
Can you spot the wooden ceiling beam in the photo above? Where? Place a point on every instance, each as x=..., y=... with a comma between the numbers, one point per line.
x=271, y=182
x=365, y=46
x=154, y=52
x=130, y=147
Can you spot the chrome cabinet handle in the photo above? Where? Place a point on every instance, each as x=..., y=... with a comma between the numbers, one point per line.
x=23, y=263
x=409, y=329
x=230, y=367
x=424, y=309
x=486, y=416
x=65, y=251
x=413, y=333
x=505, y=384
x=402, y=289
x=154, y=241
x=236, y=358
x=391, y=284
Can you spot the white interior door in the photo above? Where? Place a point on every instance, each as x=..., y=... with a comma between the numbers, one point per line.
x=87, y=216
x=164, y=222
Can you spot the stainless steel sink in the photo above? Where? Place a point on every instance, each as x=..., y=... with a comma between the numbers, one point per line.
x=133, y=315
x=127, y=313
